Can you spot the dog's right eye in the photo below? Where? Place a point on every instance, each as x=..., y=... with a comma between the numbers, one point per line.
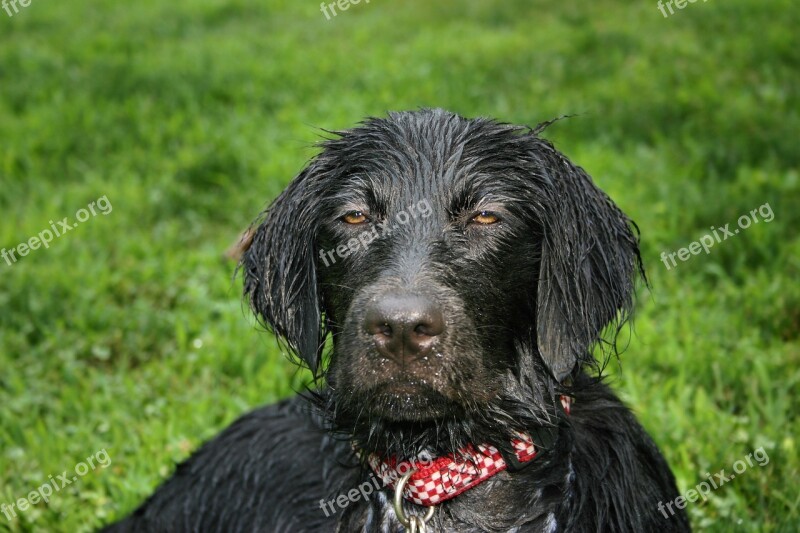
x=354, y=217
x=485, y=218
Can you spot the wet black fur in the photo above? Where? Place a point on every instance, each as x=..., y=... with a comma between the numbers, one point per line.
x=525, y=301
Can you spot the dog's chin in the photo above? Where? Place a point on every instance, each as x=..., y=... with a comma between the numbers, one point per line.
x=407, y=401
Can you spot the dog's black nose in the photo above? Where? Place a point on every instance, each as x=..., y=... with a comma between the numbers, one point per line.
x=404, y=326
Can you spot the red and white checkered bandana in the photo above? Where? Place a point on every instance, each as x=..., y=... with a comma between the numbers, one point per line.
x=438, y=480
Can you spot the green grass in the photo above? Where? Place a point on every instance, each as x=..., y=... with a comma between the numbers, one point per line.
x=128, y=334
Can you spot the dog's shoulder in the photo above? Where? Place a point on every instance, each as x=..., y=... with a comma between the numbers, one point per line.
x=266, y=472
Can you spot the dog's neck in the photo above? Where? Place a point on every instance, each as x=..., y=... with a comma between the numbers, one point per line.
x=428, y=481
x=527, y=403
x=532, y=495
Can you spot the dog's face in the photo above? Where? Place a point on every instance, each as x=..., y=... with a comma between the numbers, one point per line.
x=451, y=259
x=427, y=301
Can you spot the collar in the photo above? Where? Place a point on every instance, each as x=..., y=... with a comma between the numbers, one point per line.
x=436, y=480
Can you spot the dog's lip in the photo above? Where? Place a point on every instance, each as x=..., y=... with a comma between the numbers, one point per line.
x=407, y=400
x=407, y=386
x=403, y=387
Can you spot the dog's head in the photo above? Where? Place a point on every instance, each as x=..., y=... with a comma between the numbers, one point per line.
x=450, y=259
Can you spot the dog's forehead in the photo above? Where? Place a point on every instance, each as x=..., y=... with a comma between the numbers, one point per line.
x=429, y=154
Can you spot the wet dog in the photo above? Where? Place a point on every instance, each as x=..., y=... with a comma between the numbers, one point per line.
x=464, y=270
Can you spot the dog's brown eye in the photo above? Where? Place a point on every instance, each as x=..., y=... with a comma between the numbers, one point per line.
x=486, y=218
x=355, y=217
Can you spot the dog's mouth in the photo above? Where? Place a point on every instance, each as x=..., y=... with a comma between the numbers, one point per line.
x=407, y=400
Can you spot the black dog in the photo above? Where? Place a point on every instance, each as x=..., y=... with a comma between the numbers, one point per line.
x=464, y=270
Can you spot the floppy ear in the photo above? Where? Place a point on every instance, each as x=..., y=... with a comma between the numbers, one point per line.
x=280, y=272
x=590, y=257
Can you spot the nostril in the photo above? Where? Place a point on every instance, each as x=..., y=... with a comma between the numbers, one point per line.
x=430, y=328
x=378, y=327
x=378, y=322
x=384, y=329
x=422, y=330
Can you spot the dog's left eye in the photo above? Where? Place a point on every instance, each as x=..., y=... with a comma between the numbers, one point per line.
x=485, y=218
x=355, y=217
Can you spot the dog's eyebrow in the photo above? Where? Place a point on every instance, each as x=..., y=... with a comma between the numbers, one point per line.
x=474, y=195
x=352, y=198
x=360, y=193
x=463, y=196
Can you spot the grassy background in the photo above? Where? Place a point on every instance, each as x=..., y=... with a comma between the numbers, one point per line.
x=128, y=333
